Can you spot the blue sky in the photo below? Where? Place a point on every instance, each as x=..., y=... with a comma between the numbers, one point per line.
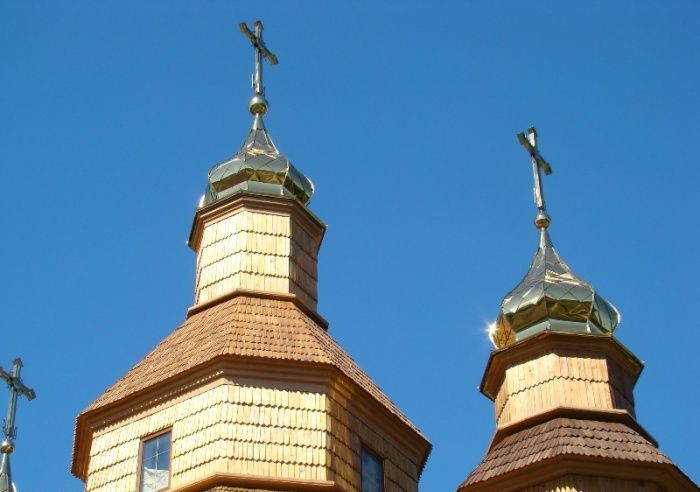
x=404, y=114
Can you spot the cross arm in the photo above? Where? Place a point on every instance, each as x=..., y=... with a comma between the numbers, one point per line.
x=257, y=43
x=16, y=384
x=248, y=33
x=5, y=375
x=29, y=393
x=534, y=153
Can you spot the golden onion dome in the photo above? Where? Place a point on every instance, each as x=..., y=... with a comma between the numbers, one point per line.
x=258, y=167
x=551, y=298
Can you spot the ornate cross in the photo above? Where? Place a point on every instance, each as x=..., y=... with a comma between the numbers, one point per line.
x=258, y=105
x=17, y=388
x=529, y=142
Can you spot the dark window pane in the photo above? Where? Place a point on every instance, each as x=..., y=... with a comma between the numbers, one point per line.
x=372, y=473
x=163, y=461
x=164, y=443
x=149, y=448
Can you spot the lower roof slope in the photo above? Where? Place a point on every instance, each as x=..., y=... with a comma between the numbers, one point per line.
x=565, y=437
x=244, y=326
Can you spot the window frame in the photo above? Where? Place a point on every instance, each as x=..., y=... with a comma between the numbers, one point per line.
x=148, y=437
x=364, y=448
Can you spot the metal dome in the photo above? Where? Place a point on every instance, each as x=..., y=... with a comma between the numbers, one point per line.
x=258, y=167
x=551, y=298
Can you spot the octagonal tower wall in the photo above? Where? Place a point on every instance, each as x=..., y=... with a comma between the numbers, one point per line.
x=256, y=243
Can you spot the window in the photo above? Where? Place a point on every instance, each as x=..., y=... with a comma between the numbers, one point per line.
x=372, y=472
x=155, y=463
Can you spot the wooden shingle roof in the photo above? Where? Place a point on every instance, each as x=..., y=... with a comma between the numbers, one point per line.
x=565, y=437
x=244, y=326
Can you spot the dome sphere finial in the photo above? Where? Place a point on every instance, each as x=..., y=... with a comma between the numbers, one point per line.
x=7, y=446
x=542, y=220
x=258, y=105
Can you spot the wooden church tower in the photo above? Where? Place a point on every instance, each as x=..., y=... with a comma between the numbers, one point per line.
x=250, y=393
x=562, y=386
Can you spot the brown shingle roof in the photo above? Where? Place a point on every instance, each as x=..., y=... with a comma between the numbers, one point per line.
x=245, y=326
x=565, y=436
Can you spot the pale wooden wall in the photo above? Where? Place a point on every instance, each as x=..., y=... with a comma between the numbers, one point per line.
x=257, y=250
x=253, y=429
x=588, y=380
x=581, y=483
x=239, y=429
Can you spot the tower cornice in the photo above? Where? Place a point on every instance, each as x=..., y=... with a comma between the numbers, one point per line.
x=254, y=201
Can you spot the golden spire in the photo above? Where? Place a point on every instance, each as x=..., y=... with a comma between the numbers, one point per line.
x=550, y=297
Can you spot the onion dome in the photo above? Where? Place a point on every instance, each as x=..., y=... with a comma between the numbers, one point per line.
x=258, y=167
x=550, y=297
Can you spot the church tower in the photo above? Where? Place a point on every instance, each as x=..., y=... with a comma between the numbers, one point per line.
x=250, y=393
x=562, y=386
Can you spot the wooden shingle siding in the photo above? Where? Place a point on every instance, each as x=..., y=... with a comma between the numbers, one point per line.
x=257, y=431
x=257, y=250
x=349, y=431
x=551, y=380
x=230, y=428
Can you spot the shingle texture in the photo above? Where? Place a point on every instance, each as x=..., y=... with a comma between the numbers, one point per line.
x=244, y=327
x=564, y=437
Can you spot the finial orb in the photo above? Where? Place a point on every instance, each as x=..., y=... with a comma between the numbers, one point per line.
x=542, y=220
x=258, y=105
x=7, y=446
